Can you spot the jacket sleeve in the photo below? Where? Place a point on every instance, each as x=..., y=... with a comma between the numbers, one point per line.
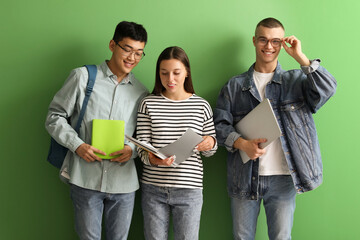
x=319, y=87
x=62, y=108
x=225, y=132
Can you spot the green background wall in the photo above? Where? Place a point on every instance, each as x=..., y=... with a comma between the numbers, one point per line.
x=41, y=41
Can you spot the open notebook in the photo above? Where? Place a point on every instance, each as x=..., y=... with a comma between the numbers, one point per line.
x=182, y=148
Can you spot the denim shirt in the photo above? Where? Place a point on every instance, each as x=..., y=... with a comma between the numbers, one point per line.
x=294, y=95
x=109, y=100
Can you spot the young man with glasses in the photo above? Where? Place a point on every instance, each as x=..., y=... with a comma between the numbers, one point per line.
x=101, y=188
x=292, y=163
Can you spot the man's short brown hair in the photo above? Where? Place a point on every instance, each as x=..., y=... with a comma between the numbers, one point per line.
x=269, y=23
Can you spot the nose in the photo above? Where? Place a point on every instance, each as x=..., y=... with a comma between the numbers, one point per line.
x=131, y=56
x=268, y=44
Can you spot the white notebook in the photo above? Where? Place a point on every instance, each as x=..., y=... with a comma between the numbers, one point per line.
x=259, y=123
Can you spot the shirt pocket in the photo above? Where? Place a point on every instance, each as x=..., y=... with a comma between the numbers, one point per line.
x=296, y=114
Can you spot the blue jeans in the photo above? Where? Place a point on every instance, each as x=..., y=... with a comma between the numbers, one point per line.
x=278, y=194
x=89, y=208
x=184, y=204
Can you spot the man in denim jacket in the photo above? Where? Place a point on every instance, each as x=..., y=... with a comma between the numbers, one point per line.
x=292, y=163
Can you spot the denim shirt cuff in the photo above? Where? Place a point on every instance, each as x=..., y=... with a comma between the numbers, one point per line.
x=314, y=65
x=229, y=142
x=75, y=144
x=133, y=148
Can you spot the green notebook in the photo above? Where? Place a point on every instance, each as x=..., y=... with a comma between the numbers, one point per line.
x=108, y=136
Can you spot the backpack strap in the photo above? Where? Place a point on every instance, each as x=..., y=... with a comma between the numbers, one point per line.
x=92, y=70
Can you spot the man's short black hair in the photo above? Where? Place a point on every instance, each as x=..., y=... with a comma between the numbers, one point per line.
x=131, y=30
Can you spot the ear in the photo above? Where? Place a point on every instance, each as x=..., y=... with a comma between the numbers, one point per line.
x=112, y=45
x=254, y=40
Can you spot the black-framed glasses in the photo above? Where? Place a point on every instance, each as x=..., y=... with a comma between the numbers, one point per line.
x=138, y=55
x=275, y=42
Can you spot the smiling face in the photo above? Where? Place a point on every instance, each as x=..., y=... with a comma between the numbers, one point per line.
x=267, y=55
x=172, y=75
x=123, y=58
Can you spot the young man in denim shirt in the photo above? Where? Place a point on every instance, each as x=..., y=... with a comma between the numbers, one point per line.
x=292, y=163
x=101, y=188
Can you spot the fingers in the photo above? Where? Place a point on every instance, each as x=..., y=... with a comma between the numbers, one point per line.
x=260, y=140
x=168, y=161
x=286, y=47
x=206, y=145
x=164, y=162
x=290, y=40
x=126, y=150
x=252, y=148
x=295, y=45
x=92, y=156
x=294, y=50
x=257, y=154
x=98, y=151
x=125, y=154
x=87, y=152
x=154, y=160
x=122, y=158
x=257, y=151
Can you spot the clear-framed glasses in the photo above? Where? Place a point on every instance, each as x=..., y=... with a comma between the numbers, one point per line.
x=138, y=55
x=275, y=42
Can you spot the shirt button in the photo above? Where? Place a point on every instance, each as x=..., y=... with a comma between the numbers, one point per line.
x=292, y=107
x=105, y=171
x=253, y=178
x=252, y=197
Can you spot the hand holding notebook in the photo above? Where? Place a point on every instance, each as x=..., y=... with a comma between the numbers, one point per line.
x=182, y=148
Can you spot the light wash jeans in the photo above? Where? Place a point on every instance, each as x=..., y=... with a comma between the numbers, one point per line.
x=89, y=208
x=278, y=194
x=184, y=204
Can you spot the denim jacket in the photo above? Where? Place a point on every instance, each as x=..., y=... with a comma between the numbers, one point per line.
x=294, y=95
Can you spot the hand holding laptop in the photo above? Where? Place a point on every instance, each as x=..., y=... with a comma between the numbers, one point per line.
x=258, y=128
x=251, y=147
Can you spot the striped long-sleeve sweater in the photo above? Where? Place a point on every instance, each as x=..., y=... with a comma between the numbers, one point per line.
x=162, y=121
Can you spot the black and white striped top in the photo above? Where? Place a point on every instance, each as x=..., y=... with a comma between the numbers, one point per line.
x=162, y=121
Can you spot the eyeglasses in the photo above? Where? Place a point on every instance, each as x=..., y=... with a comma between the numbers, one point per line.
x=138, y=55
x=275, y=42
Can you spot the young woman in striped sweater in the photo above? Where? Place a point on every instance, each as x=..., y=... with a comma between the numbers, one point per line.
x=163, y=117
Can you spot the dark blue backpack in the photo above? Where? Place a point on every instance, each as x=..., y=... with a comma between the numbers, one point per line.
x=58, y=152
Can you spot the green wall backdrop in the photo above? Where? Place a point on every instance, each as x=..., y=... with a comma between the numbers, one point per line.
x=41, y=41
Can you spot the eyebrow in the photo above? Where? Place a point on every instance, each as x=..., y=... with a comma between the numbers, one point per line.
x=268, y=38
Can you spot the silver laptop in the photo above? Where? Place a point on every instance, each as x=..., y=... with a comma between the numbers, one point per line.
x=259, y=123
